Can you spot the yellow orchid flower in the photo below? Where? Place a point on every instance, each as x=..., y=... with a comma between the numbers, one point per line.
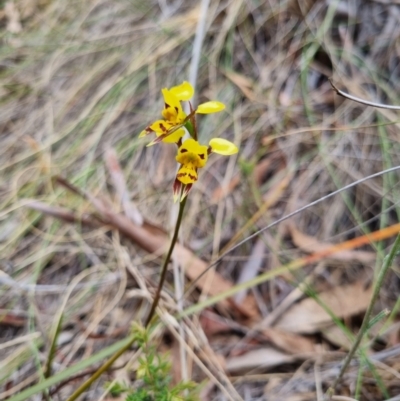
x=192, y=156
x=171, y=129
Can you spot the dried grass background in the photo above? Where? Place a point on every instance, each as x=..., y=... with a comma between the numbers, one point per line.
x=78, y=78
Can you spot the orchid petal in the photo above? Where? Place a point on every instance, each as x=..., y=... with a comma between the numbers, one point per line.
x=187, y=174
x=160, y=127
x=174, y=136
x=191, y=152
x=186, y=190
x=171, y=100
x=223, y=147
x=210, y=107
x=177, y=189
x=144, y=133
x=184, y=91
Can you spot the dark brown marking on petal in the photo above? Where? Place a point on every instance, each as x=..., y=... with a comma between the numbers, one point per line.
x=181, y=174
x=159, y=139
x=201, y=156
x=193, y=177
x=162, y=127
x=183, y=150
x=166, y=105
x=176, y=109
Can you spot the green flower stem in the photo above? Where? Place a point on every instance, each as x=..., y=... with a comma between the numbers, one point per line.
x=166, y=261
x=387, y=263
x=103, y=368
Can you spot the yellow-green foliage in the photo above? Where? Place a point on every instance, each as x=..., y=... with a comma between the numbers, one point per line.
x=154, y=376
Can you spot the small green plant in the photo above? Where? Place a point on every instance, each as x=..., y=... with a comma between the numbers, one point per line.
x=116, y=389
x=154, y=376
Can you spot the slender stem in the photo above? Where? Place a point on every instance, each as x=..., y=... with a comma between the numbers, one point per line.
x=53, y=347
x=52, y=352
x=387, y=263
x=156, y=300
x=103, y=368
x=166, y=262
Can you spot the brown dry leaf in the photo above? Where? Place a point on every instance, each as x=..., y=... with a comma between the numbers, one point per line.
x=312, y=245
x=260, y=358
x=289, y=342
x=335, y=335
x=309, y=317
x=12, y=320
x=250, y=268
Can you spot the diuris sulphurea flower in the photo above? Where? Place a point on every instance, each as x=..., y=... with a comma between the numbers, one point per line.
x=192, y=156
x=170, y=129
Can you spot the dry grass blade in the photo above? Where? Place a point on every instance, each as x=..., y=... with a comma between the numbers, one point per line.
x=363, y=101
